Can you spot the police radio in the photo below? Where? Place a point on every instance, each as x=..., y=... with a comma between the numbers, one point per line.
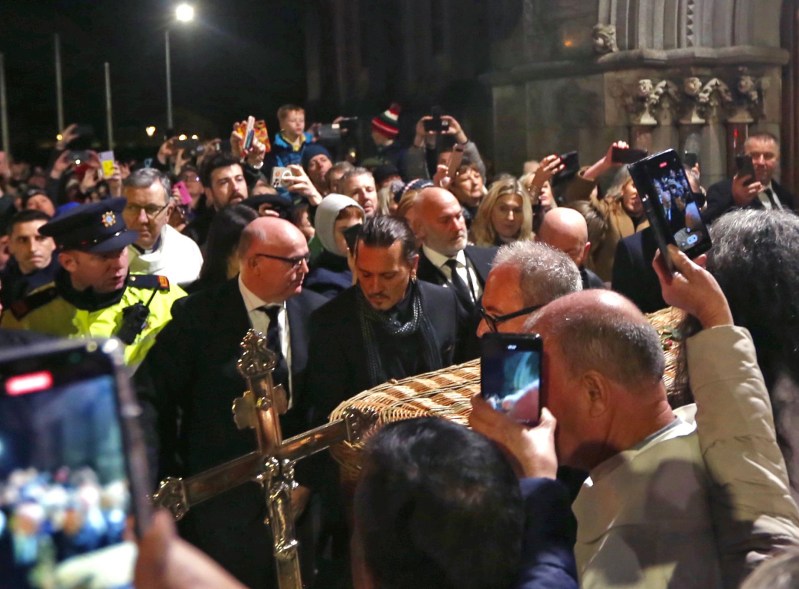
x=134, y=320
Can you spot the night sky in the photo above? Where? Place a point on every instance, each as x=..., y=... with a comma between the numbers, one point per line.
x=238, y=57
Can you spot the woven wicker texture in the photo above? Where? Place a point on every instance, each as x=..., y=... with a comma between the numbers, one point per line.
x=446, y=392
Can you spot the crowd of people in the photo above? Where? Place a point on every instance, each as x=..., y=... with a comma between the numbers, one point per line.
x=358, y=272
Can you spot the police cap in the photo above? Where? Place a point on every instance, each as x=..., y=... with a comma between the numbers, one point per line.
x=97, y=228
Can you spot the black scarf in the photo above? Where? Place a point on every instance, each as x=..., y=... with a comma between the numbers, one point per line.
x=417, y=326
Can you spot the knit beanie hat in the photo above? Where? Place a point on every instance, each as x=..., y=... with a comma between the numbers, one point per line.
x=311, y=151
x=386, y=123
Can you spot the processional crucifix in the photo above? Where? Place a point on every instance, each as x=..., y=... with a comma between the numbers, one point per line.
x=272, y=464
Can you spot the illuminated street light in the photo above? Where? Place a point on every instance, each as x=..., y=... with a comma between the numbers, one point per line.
x=150, y=130
x=183, y=13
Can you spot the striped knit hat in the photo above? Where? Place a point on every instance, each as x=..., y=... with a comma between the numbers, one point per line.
x=386, y=122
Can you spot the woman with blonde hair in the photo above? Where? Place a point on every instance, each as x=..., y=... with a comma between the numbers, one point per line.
x=505, y=214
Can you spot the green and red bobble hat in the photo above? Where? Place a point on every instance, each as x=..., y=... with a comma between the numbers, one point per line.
x=387, y=122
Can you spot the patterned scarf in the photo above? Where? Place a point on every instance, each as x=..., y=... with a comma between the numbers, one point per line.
x=370, y=318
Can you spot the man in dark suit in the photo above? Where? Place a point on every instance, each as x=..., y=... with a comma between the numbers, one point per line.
x=633, y=274
x=189, y=382
x=389, y=325
x=445, y=257
x=743, y=191
x=566, y=230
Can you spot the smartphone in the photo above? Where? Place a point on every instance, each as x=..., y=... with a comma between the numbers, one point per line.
x=436, y=124
x=571, y=163
x=455, y=160
x=621, y=155
x=79, y=156
x=670, y=205
x=745, y=167
x=510, y=374
x=187, y=145
x=185, y=197
x=73, y=467
x=690, y=159
x=84, y=130
x=107, y=163
x=280, y=175
x=249, y=134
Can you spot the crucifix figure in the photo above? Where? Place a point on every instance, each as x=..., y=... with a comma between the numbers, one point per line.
x=272, y=463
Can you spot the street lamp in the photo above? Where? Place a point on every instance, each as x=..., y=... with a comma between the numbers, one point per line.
x=183, y=13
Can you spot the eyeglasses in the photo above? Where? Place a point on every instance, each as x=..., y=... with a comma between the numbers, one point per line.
x=295, y=261
x=493, y=321
x=152, y=211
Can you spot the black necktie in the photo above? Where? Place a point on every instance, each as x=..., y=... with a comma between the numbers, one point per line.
x=280, y=375
x=770, y=195
x=461, y=290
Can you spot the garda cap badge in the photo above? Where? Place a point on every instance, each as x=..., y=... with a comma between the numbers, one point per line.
x=109, y=219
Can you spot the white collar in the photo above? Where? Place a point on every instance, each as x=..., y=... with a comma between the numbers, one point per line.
x=438, y=260
x=253, y=301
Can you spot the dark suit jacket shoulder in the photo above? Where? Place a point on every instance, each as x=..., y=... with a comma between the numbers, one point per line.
x=481, y=259
x=633, y=275
x=719, y=200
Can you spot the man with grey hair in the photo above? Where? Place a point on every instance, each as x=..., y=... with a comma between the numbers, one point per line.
x=160, y=249
x=675, y=498
x=525, y=275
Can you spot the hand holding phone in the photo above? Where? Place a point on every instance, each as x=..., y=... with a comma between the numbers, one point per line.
x=68, y=426
x=531, y=449
x=571, y=165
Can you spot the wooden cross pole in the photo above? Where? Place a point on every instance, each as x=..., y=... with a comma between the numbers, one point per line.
x=272, y=464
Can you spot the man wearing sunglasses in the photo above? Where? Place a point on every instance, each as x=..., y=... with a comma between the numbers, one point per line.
x=189, y=384
x=160, y=249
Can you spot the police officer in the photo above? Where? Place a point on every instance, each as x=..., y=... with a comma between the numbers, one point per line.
x=93, y=295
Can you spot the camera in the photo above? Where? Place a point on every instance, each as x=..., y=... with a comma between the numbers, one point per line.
x=436, y=124
x=334, y=131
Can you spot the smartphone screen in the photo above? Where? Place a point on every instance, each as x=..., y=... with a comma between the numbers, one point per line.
x=72, y=471
x=670, y=205
x=185, y=196
x=107, y=163
x=510, y=374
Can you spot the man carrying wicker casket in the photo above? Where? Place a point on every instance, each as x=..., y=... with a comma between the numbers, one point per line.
x=389, y=325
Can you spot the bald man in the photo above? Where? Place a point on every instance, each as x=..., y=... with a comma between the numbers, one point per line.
x=190, y=381
x=673, y=498
x=566, y=230
x=445, y=257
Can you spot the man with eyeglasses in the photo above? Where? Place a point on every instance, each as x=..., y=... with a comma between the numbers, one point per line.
x=159, y=249
x=93, y=294
x=189, y=381
x=525, y=276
